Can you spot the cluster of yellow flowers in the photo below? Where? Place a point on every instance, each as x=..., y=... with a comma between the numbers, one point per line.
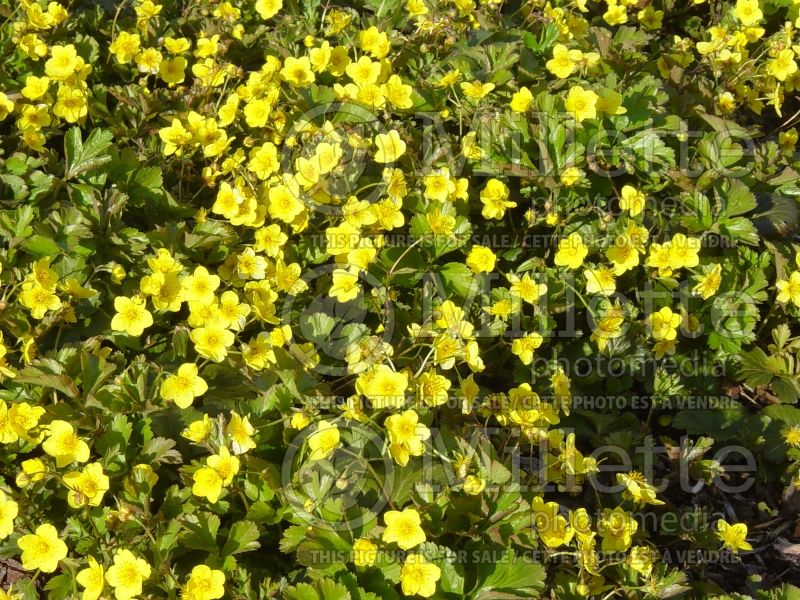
x=308, y=163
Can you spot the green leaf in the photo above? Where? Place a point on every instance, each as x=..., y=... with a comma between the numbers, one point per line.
x=513, y=576
x=39, y=245
x=302, y=591
x=84, y=156
x=201, y=532
x=243, y=537
x=736, y=199
x=459, y=280
x=60, y=586
x=161, y=450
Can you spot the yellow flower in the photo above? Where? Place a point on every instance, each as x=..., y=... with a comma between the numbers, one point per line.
x=617, y=14
x=709, y=282
x=792, y=435
x=264, y=160
x=632, y=200
x=212, y=341
x=127, y=574
x=240, y=432
x=35, y=87
x=86, y=488
x=125, y=46
x=299, y=421
x=375, y=42
x=324, y=440
x=174, y=137
x=200, y=286
x=439, y=185
x=204, y=583
x=92, y=579
x=64, y=445
x=297, y=71
x=419, y=577
x=406, y=436
x=474, y=485
x=198, y=431
x=609, y=102
x=284, y=200
x=526, y=288
x=207, y=483
x=789, y=289
x=257, y=111
x=600, y=281
x=268, y=8
x=581, y=524
x=432, y=387
x=173, y=70
x=177, y=45
x=403, y=528
x=748, y=12
x=398, y=93
x=481, y=259
x=34, y=117
x=552, y=527
x=476, y=90
x=33, y=470
x=570, y=176
x=38, y=300
x=617, y=528
x=132, y=317
x=581, y=103
x=385, y=388
x=148, y=61
x=726, y=102
x=663, y=324
x=525, y=346
x=650, y=18
x=345, y=285
x=146, y=11
x=733, y=536
x=183, y=387
x=364, y=72
x=521, y=100
x=6, y=106
x=42, y=550
x=8, y=512
x=416, y=8
x=225, y=465
x=207, y=46
x=683, y=252
x=390, y=147
x=564, y=61
x=571, y=252
x=364, y=553
x=495, y=199
x=782, y=65
x=637, y=488
x=641, y=560
x=63, y=63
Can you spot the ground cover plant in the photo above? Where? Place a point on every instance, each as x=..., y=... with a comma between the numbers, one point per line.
x=381, y=299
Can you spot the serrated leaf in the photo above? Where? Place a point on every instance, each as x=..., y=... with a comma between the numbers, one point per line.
x=243, y=537
x=201, y=532
x=512, y=576
x=82, y=156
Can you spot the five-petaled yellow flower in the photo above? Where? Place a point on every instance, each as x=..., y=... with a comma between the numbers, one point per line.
x=132, y=317
x=733, y=536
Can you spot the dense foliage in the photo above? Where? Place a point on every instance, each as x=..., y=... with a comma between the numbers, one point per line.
x=384, y=298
